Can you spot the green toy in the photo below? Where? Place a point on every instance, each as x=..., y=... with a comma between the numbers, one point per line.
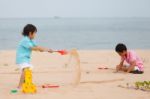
x=14, y=91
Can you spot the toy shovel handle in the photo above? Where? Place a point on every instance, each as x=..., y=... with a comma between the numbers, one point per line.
x=62, y=52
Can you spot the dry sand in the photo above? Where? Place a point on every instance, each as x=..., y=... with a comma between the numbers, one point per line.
x=94, y=83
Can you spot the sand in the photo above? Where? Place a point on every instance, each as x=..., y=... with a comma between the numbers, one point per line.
x=53, y=69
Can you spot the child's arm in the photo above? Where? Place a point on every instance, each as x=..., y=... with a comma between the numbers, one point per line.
x=131, y=67
x=41, y=49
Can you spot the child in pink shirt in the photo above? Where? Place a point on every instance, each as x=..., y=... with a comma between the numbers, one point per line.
x=133, y=64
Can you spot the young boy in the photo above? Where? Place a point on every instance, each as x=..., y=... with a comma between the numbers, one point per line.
x=134, y=62
x=25, y=48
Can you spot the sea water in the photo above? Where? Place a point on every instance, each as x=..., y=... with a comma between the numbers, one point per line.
x=80, y=33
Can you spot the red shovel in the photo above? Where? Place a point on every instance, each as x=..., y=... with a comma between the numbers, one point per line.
x=49, y=86
x=62, y=52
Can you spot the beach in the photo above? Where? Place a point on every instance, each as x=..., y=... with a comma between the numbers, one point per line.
x=94, y=83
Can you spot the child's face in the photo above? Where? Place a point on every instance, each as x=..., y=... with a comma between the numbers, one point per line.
x=32, y=35
x=122, y=54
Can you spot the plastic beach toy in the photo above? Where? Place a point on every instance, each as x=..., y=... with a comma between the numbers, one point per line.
x=50, y=86
x=28, y=86
x=62, y=52
x=14, y=91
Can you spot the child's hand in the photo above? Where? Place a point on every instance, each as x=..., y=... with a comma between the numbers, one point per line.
x=45, y=50
x=118, y=67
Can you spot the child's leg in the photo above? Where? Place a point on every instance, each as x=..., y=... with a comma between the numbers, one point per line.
x=125, y=68
x=22, y=78
x=136, y=70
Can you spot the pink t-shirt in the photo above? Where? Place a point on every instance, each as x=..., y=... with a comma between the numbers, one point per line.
x=132, y=56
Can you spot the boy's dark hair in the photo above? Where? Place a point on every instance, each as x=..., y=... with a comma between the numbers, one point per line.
x=29, y=28
x=121, y=47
